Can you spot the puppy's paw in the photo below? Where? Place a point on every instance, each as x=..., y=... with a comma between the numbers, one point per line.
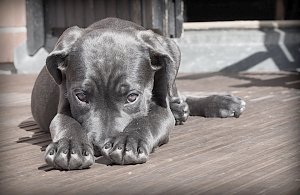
x=224, y=106
x=126, y=148
x=68, y=154
x=180, y=109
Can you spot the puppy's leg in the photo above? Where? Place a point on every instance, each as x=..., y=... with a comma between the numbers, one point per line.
x=216, y=106
x=70, y=148
x=140, y=137
x=179, y=107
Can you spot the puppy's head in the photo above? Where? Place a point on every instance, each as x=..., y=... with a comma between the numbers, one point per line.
x=109, y=77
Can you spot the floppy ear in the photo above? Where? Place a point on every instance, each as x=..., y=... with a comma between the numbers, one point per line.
x=165, y=60
x=55, y=62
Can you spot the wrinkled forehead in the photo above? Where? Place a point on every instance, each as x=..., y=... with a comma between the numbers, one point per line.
x=109, y=47
x=110, y=55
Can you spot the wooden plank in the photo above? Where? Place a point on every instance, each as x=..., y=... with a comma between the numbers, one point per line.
x=257, y=153
x=280, y=10
x=70, y=13
x=123, y=9
x=111, y=8
x=79, y=13
x=100, y=9
x=60, y=14
x=147, y=13
x=170, y=31
x=159, y=17
x=50, y=16
x=89, y=12
x=35, y=25
x=136, y=11
x=179, y=9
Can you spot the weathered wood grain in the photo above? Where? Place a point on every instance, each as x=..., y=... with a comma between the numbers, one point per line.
x=257, y=153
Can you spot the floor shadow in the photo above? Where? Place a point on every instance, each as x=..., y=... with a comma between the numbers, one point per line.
x=288, y=80
x=198, y=76
x=39, y=138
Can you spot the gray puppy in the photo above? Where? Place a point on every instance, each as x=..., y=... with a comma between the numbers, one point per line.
x=109, y=90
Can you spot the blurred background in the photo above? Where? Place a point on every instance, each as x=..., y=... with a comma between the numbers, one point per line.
x=214, y=35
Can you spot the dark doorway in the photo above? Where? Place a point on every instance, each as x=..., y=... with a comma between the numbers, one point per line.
x=220, y=10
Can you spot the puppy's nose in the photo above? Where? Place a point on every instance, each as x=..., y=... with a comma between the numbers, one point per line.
x=97, y=150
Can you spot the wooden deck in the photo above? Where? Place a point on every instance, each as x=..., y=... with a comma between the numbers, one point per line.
x=258, y=153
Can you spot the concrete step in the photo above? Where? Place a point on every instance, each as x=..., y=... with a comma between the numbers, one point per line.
x=236, y=48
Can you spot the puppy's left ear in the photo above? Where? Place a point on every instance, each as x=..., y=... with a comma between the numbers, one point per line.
x=164, y=56
x=55, y=62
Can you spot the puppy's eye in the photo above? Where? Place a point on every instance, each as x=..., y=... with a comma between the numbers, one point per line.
x=82, y=97
x=132, y=97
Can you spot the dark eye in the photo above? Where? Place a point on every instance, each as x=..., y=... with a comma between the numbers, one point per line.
x=82, y=97
x=132, y=97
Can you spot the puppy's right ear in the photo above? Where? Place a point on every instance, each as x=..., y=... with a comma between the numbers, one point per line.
x=55, y=62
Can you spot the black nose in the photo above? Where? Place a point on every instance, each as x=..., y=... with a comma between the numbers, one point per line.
x=97, y=150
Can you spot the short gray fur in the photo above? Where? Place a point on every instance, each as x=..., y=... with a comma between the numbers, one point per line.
x=110, y=90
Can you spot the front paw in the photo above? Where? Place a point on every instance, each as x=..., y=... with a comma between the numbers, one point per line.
x=224, y=106
x=69, y=154
x=126, y=148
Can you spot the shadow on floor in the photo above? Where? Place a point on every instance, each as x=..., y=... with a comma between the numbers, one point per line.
x=39, y=138
x=288, y=80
